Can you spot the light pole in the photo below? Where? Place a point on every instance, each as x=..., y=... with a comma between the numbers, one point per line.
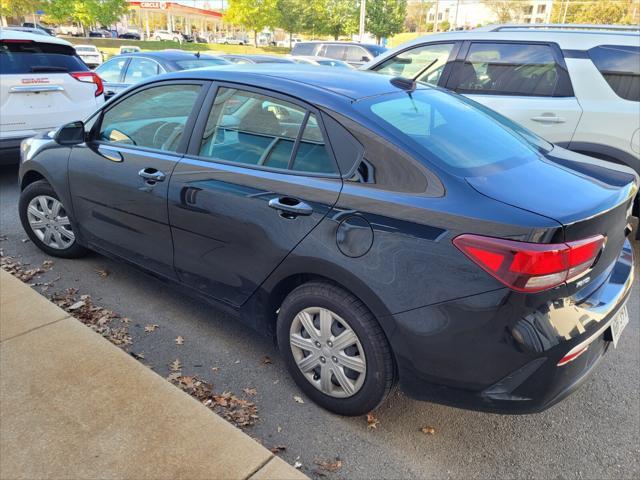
x=363, y=16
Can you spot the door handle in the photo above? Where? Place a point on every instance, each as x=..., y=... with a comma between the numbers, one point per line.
x=548, y=119
x=152, y=175
x=290, y=207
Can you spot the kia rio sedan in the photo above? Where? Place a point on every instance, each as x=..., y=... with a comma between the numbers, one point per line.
x=380, y=230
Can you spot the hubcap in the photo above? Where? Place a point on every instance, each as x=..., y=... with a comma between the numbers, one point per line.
x=49, y=221
x=328, y=352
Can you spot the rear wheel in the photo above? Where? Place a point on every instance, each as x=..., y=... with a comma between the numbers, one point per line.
x=335, y=349
x=46, y=222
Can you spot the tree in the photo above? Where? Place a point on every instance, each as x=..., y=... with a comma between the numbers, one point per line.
x=290, y=16
x=339, y=17
x=385, y=17
x=506, y=10
x=252, y=14
x=19, y=8
x=597, y=11
x=416, y=16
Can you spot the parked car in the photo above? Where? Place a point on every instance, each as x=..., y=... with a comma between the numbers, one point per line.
x=71, y=30
x=44, y=85
x=320, y=61
x=159, y=35
x=36, y=31
x=232, y=40
x=130, y=36
x=89, y=55
x=100, y=33
x=122, y=71
x=355, y=54
x=576, y=86
x=382, y=230
x=128, y=49
x=285, y=42
x=39, y=26
x=244, y=59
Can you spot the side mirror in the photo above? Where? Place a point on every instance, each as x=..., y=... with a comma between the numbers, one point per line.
x=70, y=134
x=108, y=94
x=365, y=58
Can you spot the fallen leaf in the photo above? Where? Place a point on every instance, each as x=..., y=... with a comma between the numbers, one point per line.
x=266, y=360
x=102, y=272
x=372, y=421
x=250, y=391
x=175, y=366
x=428, y=430
x=297, y=465
x=237, y=361
x=215, y=369
x=173, y=376
x=139, y=356
x=279, y=428
x=277, y=449
x=179, y=340
x=329, y=466
x=298, y=399
x=76, y=305
x=150, y=328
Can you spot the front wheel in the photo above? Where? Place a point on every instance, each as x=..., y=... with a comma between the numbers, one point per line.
x=46, y=222
x=335, y=349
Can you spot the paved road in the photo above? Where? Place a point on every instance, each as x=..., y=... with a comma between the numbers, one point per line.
x=595, y=433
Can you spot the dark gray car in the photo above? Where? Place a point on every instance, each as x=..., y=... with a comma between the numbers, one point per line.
x=355, y=54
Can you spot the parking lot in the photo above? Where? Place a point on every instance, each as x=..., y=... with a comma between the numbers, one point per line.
x=595, y=433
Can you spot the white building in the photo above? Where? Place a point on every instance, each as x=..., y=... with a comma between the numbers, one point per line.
x=471, y=13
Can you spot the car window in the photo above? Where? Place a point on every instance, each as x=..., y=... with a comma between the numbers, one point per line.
x=356, y=54
x=200, y=63
x=620, y=67
x=509, y=69
x=152, y=118
x=428, y=59
x=33, y=57
x=438, y=124
x=110, y=71
x=255, y=129
x=333, y=51
x=139, y=69
x=303, y=48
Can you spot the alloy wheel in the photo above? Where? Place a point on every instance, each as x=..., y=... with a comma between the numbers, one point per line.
x=50, y=223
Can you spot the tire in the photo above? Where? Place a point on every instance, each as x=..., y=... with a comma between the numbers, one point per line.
x=68, y=247
x=368, y=388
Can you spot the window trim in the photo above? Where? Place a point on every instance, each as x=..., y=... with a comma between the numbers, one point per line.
x=563, y=90
x=188, y=127
x=193, y=148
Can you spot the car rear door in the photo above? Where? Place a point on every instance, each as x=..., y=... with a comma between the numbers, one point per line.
x=43, y=86
x=258, y=177
x=525, y=81
x=119, y=178
x=112, y=74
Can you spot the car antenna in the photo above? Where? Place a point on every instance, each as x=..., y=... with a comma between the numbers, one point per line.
x=197, y=54
x=422, y=70
x=407, y=84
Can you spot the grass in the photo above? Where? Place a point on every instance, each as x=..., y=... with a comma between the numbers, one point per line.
x=111, y=46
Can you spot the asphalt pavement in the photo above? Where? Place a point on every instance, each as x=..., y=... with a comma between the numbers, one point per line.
x=593, y=434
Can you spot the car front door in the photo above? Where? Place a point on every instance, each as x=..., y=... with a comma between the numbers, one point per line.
x=119, y=177
x=526, y=82
x=112, y=75
x=257, y=179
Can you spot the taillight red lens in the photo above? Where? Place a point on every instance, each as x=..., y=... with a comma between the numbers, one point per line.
x=530, y=267
x=90, y=77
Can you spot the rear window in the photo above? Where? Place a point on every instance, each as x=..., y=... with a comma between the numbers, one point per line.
x=200, y=63
x=450, y=132
x=303, y=48
x=18, y=57
x=620, y=67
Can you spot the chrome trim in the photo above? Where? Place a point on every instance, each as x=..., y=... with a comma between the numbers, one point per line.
x=36, y=89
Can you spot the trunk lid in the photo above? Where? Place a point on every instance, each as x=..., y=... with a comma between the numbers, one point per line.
x=587, y=196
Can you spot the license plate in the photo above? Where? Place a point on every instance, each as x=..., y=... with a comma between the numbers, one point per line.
x=617, y=325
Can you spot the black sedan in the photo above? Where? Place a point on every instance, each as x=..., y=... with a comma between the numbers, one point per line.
x=124, y=70
x=381, y=230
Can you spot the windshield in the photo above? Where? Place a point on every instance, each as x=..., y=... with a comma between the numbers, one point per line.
x=453, y=132
x=200, y=63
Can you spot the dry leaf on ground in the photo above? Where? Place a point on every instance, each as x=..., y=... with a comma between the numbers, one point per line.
x=102, y=272
x=372, y=421
x=150, y=328
x=175, y=366
x=266, y=360
x=298, y=399
x=329, y=466
x=179, y=340
x=276, y=449
x=428, y=430
x=250, y=391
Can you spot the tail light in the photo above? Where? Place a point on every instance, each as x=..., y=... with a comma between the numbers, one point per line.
x=90, y=77
x=531, y=267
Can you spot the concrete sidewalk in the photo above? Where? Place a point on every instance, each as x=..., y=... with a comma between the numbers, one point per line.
x=72, y=405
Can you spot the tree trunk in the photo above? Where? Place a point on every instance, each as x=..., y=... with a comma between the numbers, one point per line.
x=290, y=42
x=255, y=38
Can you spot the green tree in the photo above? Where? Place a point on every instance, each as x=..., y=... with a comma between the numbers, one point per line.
x=338, y=17
x=19, y=8
x=597, y=11
x=290, y=16
x=252, y=14
x=385, y=17
x=506, y=10
x=417, y=16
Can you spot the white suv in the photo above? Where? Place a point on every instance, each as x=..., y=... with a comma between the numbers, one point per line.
x=44, y=84
x=576, y=86
x=166, y=35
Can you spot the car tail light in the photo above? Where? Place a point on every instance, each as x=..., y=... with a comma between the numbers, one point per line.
x=531, y=267
x=90, y=77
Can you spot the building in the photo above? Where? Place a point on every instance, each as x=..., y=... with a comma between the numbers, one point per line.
x=471, y=13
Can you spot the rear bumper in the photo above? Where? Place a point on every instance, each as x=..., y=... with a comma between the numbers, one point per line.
x=499, y=351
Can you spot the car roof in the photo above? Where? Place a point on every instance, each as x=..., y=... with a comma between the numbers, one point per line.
x=167, y=55
x=567, y=39
x=297, y=79
x=20, y=35
x=257, y=57
x=336, y=42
